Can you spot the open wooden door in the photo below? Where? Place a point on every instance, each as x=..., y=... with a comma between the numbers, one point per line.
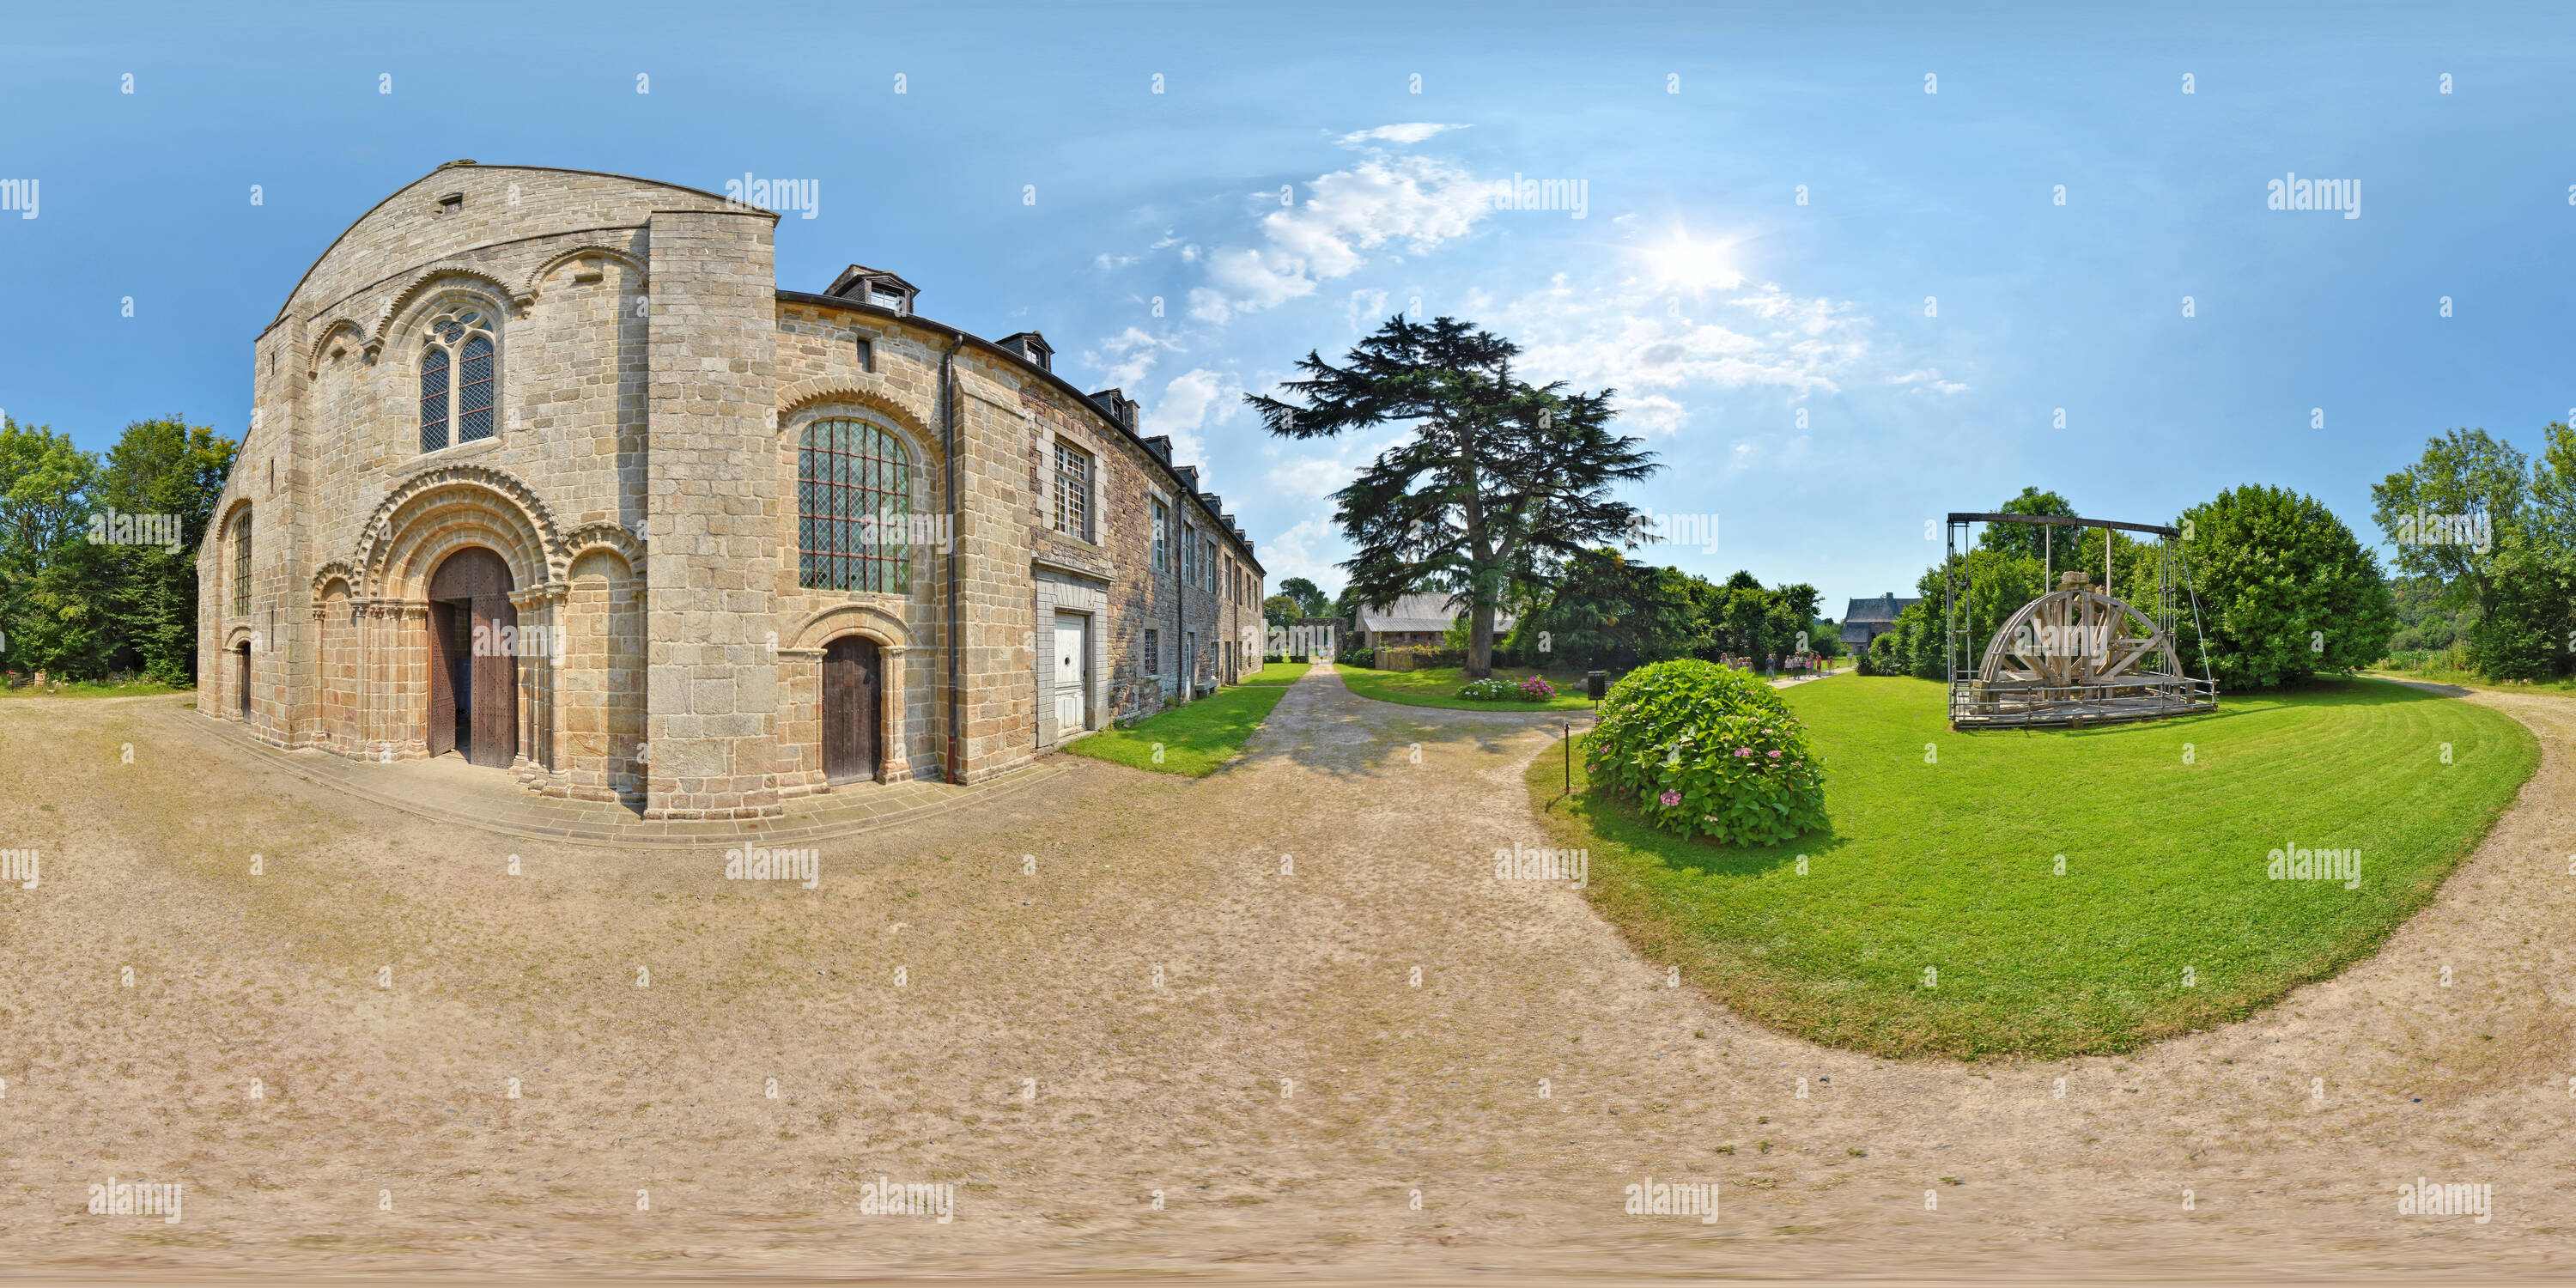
x=474, y=673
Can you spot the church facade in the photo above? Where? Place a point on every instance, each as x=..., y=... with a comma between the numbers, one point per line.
x=548, y=473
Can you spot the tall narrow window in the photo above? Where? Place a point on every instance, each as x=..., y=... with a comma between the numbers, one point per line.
x=241, y=565
x=853, y=508
x=1189, y=557
x=1153, y=651
x=459, y=377
x=474, y=391
x=1162, y=535
x=1072, y=490
x=433, y=399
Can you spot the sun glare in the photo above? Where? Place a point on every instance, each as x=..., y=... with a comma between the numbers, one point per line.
x=1680, y=263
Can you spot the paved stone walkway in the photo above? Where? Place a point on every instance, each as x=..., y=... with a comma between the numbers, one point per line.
x=452, y=791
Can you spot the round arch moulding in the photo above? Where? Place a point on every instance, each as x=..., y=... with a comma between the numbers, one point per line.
x=430, y=279
x=499, y=492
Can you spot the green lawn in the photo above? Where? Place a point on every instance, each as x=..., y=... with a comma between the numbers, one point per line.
x=1195, y=740
x=1278, y=673
x=2465, y=680
x=85, y=689
x=1952, y=865
x=1438, y=687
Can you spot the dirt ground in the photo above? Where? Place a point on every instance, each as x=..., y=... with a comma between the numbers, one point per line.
x=1198, y=1020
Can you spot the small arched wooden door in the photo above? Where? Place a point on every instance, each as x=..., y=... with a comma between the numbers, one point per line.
x=473, y=667
x=853, y=709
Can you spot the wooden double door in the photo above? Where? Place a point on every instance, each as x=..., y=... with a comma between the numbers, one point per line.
x=853, y=709
x=473, y=663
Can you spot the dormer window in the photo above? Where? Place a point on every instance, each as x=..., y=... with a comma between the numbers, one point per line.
x=874, y=286
x=1033, y=347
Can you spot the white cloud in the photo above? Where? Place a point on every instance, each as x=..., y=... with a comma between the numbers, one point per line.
x=1310, y=478
x=1636, y=340
x=1295, y=553
x=1407, y=134
x=1185, y=408
x=1929, y=378
x=1417, y=202
x=1123, y=359
x=1364, y=309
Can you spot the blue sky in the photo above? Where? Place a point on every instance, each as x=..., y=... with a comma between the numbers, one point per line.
x=1695, y=284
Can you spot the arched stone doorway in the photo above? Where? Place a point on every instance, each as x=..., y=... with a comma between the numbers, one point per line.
x=241, y=676
x=853, y=709
x=473, y=659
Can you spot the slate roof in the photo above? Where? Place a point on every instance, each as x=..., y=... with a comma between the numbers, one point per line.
x=1884, y=608
x=1426, y=612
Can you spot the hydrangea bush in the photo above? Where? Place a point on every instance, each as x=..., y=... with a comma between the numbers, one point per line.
x=1489, y=690
x=1704, y=750
x=1536, y=689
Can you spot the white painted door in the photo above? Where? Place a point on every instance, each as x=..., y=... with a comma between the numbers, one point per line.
x=1072, y=671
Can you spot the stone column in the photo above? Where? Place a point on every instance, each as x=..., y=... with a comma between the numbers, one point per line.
x=711, y=515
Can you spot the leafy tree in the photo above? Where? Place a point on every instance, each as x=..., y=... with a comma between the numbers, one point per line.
x=45, y=485
x=1610, y=612
x=2509, y=583
x=1309, y=598
x=1280, y=610
x=2286, y=590
x=79, y=608
x=2030, y=539
x=1500, y=482
x=162, y=467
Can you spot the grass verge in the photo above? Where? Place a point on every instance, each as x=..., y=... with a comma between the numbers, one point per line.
x=1278, y=673
x=1194, y=740
x=87, y=689
x=1943, y=860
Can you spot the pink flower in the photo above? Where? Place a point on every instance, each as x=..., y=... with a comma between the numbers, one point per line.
x=1744, y=751
x=1670, y=799
x=1775, y=755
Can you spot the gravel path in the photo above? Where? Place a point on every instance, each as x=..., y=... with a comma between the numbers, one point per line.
x=1283, y=1082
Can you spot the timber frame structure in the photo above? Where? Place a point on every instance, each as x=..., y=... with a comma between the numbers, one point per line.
x=2074, y=656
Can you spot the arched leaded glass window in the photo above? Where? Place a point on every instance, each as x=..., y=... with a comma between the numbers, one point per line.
x=458, y=376
x=853, y=508
x=241, y=564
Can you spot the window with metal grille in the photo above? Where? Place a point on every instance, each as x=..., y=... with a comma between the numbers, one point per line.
x=459, y=373
x=1162, y=535
x=1072, y=491
x=241, y=565
x=1153, y=651
x=853, y=508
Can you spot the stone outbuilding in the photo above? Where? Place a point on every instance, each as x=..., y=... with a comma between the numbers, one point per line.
x=548, y=473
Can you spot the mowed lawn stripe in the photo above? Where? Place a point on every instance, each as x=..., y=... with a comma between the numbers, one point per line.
x=1951, y=865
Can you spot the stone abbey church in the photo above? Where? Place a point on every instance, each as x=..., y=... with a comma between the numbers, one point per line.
x=550, y=474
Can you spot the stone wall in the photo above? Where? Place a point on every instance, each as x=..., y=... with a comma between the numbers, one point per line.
x=652, y=390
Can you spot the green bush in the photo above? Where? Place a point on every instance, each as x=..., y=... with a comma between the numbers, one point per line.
x=1490, y=690
x=1704, y=750
x=1356, y=657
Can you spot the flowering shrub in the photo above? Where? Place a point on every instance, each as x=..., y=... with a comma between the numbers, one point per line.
x=1704, y=750
x=1536, y=689
x=1489, y=690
